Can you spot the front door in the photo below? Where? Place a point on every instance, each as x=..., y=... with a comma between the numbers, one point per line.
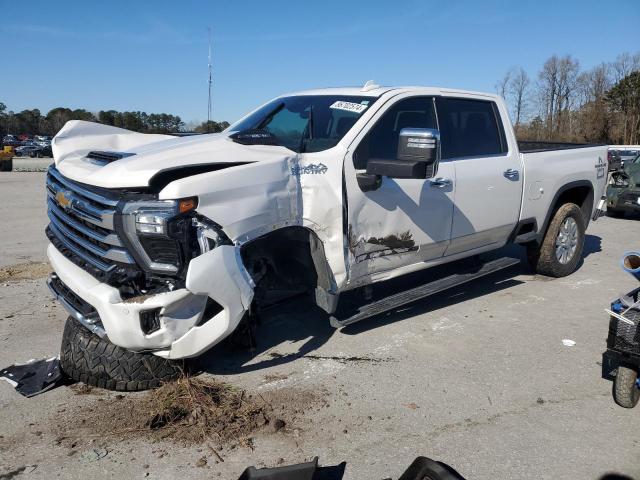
x=404, y=221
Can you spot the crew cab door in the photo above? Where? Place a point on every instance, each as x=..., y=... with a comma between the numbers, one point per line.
x=488, y=175
x=400, y=221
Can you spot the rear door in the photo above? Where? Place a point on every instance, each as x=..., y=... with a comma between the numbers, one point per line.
x=488, y=176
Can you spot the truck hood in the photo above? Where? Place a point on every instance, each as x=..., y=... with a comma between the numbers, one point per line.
x=134, y=159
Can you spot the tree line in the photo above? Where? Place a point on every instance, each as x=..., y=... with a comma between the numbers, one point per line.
x=33, y=122
x=565, y=103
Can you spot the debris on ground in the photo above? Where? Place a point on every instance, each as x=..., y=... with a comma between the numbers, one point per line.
x=24, y=271
x=568, y=343
x=94, y=454
x=190, y=411
x=34, y=377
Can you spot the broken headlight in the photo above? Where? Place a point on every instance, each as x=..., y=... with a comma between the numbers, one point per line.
x=209, y=234
x=156, y=230
x=620, y=180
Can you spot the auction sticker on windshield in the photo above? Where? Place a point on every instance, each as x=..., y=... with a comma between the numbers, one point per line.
x=349, y=106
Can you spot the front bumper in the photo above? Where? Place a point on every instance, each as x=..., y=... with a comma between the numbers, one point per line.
x=183, y=332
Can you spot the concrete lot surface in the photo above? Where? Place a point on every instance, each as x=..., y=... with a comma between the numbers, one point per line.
x=31, y=164
x=477, y=377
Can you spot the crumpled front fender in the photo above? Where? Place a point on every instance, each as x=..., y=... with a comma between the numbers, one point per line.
x=220, y=275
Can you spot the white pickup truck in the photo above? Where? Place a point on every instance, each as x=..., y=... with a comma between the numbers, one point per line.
x=163, y=246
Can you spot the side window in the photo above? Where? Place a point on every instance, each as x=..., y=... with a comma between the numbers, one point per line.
x=469, y=128
x=382, y=140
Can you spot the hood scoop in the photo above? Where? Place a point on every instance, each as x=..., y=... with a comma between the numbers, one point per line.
x=104, y=158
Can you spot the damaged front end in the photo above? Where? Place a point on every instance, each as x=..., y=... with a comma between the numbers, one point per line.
x=140, y=270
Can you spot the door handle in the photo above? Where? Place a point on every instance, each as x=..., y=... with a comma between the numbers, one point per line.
x=440, y=182
x=511, y=173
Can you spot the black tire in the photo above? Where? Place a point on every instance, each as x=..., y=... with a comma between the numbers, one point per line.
x=543, y=257
x=612, y=212
x=87, y=358
x=625, y=390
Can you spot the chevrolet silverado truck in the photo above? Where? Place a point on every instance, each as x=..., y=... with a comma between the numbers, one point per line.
x=163, y=246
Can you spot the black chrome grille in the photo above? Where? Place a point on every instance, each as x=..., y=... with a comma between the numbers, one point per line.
x=82, y=226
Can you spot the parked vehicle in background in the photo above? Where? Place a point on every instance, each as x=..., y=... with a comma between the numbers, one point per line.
x=164, y=246
x=29, y=151
x=614, y=160
x=24, y=137
x=42, y=140
x=46, y=151
x=623, y=193
x=626, y=153
x=11, y=141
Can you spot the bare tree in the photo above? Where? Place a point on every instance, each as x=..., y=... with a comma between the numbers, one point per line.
x=592, y=114
x=502, y=86
x=518, y=90
x=625, y=64
x=557, y=82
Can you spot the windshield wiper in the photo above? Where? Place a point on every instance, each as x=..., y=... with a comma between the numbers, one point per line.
x=255, y=136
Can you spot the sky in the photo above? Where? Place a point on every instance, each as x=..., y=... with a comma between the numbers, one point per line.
x=152, y=56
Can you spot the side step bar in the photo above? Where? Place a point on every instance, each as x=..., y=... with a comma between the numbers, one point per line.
x=399, y=299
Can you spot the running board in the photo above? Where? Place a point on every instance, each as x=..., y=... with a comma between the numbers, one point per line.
x=399, y=299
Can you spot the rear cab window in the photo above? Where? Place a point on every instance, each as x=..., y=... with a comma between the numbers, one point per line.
x=470, y=128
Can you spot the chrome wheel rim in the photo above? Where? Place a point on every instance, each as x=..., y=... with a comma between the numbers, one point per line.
x=567, y=241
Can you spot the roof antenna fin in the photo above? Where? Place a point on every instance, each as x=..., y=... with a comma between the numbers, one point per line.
x=370, y=85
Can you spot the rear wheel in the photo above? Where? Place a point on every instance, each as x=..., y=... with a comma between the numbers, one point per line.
x=87, y=358
x=561, y=249
x=625, y=387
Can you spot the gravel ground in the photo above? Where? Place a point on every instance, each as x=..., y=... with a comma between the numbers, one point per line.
x=478, y=377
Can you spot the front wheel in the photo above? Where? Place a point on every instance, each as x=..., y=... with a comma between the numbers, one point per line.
x=626, y=391
x=561, y=249
x=87, y=358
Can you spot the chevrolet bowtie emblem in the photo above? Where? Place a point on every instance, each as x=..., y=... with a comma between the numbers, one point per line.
x=63, y=199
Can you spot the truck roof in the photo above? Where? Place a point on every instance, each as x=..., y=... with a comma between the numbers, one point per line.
x=372, y=90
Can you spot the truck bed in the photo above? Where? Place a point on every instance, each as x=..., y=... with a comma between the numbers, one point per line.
x=551, y=167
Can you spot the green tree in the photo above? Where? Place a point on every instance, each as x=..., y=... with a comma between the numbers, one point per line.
x=211, y=127
x=624, y=99
x=3, y=120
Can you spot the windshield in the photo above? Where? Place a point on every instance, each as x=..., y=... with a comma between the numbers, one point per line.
x=305, y=123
